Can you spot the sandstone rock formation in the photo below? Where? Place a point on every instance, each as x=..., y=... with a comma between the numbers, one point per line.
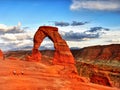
x=98, y=71
x=62, y=53
x=101, y=64
x=1, y=55
x=106, y=52
x=39, y=76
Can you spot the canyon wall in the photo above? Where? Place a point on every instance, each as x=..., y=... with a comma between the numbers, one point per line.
x=100, y=64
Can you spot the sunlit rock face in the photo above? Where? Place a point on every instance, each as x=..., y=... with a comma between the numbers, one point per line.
x=62, y=52
x=1, y=55
x=101, y=64
x=106, y=52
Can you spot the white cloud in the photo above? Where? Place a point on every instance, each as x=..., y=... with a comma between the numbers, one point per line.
x=24, y=40
x=10, y=29
x=95, y=4
x=17, y=36
x=8, y=37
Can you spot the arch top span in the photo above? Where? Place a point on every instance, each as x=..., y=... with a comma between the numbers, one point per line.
x=62, y=52
x=48, y=28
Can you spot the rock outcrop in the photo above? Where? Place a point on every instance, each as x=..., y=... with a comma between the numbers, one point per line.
x=106, y=52
x=62, y=53
x=99, y=71
x=1, y=55
x=100, y=64
x=22, y=75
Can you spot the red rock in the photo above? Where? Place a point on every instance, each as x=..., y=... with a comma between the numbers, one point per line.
x=100, y=79
x=1, y=55
x=100, y=64
x=12, y=58
x=105, y=52
x=62, y=52
x=39, y=76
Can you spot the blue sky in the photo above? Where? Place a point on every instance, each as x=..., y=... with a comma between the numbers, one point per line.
x=40, y=12
x=34, y=12
x=72, y=17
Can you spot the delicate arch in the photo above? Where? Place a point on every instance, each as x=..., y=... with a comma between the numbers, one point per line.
x=62, y=52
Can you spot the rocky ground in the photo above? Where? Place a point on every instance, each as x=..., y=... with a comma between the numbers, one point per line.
x=98, y=68
x=17, y=74
x=100, y=64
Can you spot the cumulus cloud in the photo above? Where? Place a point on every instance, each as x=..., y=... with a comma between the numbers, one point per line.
x=96, y=5
x=16, y=45
x=10, y=29
x=17, y=36
x=94, y=32
x=77, y=36
x=17, y=41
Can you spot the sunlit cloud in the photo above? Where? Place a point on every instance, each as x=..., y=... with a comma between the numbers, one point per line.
x=10, y=29
x=95, y=5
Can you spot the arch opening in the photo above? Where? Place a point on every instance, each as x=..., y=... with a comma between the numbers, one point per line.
x=47, y=49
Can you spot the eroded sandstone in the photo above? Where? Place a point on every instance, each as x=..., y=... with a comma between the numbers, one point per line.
x=62, y=53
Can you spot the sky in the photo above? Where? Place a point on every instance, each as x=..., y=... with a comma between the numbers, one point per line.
x=81, y=23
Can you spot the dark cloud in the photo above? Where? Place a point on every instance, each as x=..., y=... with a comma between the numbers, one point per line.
x=94, y=32
x=75, y=23
x=79, y=35
x=62, y=24
x=97, y=30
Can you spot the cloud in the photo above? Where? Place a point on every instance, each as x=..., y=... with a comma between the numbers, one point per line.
x=114, y=40
x=94, y=32
x=74, y=23
x=17, y=41
x=16, y=45
x=78, y=36
x=96, y=5
x=99, y=30
x=10, y=29
x=62, y=24
x=17, y=36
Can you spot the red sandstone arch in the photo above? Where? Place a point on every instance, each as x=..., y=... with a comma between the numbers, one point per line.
x=62, y=52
